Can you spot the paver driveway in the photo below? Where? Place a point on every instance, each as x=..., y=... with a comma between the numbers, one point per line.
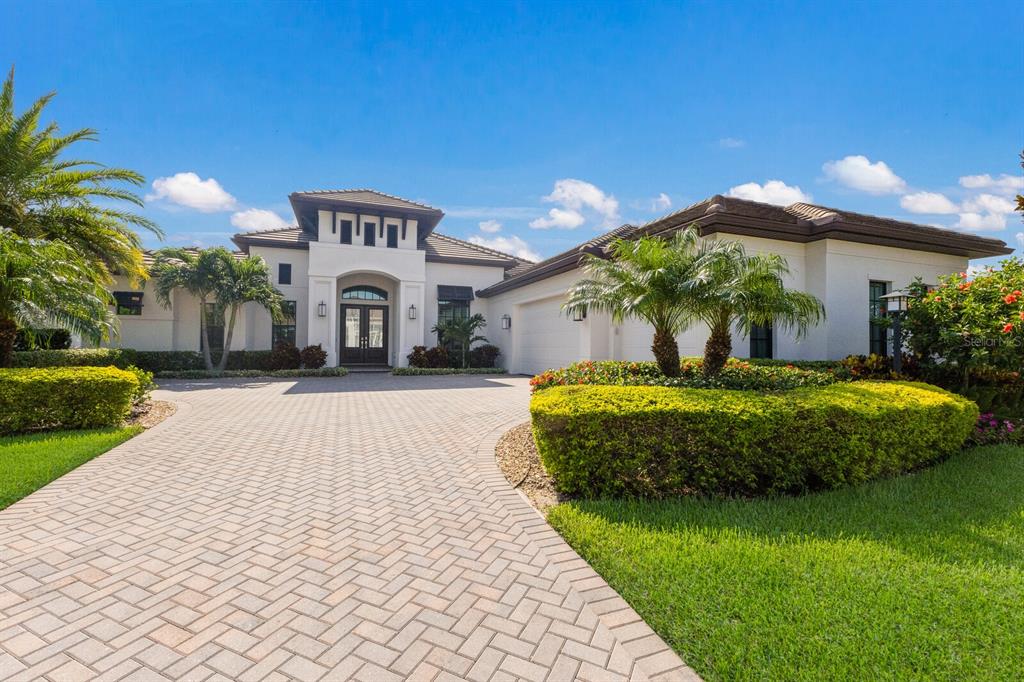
x=324, y=528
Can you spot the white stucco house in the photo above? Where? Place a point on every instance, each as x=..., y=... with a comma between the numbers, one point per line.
x=366, y=275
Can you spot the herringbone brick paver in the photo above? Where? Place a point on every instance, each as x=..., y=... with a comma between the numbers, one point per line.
x=320, y=529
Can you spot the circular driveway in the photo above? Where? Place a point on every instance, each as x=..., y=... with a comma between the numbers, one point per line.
x=350, y=528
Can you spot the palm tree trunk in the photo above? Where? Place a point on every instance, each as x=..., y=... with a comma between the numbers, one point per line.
x=8, y=334
x=718, y=348
x=666, y=352
x=227, y=340
x=207, y=360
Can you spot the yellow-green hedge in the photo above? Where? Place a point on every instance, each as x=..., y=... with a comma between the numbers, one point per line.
x=64, y=398
x=651, y=441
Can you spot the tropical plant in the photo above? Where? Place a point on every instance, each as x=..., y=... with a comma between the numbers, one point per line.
x=45, y=283
x=650, y=279
x=45, y=197
x=736, y=290
x=241, y=281
x=462, y=332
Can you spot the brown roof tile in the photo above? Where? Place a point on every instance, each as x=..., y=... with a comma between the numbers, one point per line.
x=365, y=196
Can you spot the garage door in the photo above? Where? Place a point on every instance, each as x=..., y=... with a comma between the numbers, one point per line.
x=549, y=338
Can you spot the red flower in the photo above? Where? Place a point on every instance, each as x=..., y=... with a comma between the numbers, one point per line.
x=1008, y=327
x=1022, y=314
x=963, y=275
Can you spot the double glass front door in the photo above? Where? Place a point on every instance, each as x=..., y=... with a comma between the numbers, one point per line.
x=364, y=334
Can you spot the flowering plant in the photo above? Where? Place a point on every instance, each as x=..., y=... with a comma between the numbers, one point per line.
x=991, y=431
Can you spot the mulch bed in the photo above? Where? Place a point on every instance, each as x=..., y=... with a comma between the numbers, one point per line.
x=151, y=413
x=519, y=460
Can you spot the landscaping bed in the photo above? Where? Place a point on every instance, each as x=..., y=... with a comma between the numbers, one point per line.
x=443, y=371
x=915, y=577
x=255, y=373
x=516, y=453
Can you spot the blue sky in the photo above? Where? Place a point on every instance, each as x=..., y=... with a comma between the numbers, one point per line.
x=545, y=122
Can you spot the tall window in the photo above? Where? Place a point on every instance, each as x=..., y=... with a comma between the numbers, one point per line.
x=370, y=234
x=285, y=331
x=346, y=231
x=284, y=273
x=214, y=327
x=392, y=236
x=128, y=302
x=878, y=335
x=761, y=341
x=451, y=310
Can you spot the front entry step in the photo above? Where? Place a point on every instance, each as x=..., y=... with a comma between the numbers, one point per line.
x=367, y=368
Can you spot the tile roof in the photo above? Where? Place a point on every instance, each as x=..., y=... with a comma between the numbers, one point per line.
x=293, y=236
x=365, y=196
x=441, y=248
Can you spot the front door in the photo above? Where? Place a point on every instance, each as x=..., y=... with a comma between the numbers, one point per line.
x=364, y=334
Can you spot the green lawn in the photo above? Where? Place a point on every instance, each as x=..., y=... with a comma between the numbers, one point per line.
x=27, y=463
x=920, y=577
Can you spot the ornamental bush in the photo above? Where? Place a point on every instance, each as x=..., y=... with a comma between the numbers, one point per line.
x=655, y=441
x=737, y=374
x=64, y=398
x=313, y=357
x=484, y=355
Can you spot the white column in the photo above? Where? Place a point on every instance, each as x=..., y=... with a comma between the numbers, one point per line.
x=323, y=330
x=410, y=332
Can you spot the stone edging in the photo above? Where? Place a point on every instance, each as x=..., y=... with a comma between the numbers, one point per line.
x=654, y=658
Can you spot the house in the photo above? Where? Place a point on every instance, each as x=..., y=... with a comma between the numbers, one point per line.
x=366, y=275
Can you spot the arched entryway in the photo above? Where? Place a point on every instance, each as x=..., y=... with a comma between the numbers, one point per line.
x=365, y=309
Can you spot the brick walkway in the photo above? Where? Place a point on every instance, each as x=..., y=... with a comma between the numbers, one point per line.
x=352, y=528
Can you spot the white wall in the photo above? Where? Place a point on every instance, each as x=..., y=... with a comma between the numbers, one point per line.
x=259, y=332
x=475, y=276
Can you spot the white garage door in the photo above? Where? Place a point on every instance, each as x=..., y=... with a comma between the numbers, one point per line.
x=549, y=339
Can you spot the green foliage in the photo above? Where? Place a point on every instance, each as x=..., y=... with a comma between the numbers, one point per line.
x=30, y=461
x=965, y=326
x=737, y=374
x=441, y=371
x=66, y=397
x=255, y=373
x=285, y=356
x=42, y=339
x=436, y=357
x=313, y=357
x=484, y=356
x=150, y=360
x=911, y=578
x=145, y=387
x=652, y=441
x=461, y=331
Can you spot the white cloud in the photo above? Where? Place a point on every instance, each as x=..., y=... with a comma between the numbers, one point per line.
x=189, y=190
x=661, y=203
x=258, y=219
x=511, y=244
x=1004, y=184
x=731, y=143
x=859, y=173
x=1020, y=240
x=972, y=220
x=771, y=192
x=989, y=203
x=928, y=202
x=566, y=219
x=577, y=195
x=490, y=226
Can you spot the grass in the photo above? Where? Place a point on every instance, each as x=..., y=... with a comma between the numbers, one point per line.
x=29, y=462
x=918, y=577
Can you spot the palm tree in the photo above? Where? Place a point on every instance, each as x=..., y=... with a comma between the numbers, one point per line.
x=45, y=197
x=742, y=291
x=463, y=332
x=44, y=283
x=197, y=272
x=240, y=281
x=651, y=279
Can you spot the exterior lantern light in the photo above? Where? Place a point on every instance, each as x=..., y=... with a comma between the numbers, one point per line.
x=506, y=321
x=412, y=312
x=321, y=309
x=896, y=305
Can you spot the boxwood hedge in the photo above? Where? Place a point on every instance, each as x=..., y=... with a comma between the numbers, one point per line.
x=150, y=360
x=64, y=398
x=654, y=441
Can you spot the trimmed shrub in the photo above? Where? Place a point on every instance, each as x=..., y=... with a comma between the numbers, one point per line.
x=313, y=357
x=654, y=441
x=440, y=371
x=146, y=384
x=483, y=356
x=737, y=374
x=285, y=356
x=418, y=356
x=64, y=398
x=437, y=357
x=255, y=373
x=244, y=359
x=75, y=357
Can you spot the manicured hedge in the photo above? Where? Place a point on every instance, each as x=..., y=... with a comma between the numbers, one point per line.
x=64, y=398
x=652, y=441
x=438, y=371
x=155, y=361
x=255, y=373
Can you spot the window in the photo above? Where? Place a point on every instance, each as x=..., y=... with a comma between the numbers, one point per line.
x=878, y=335
x=451, y=310
x=370, y=234
x=392, y=236
x=214, y=327
x=128, y=302
x=364, y=293
x=284, y=332
x=346, y=231
x=761, y=341
x=284, y=273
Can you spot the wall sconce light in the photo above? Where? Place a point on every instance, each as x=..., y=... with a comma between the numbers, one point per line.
x=321, y=309
x=579, y=315
x=412, y=312
x=506, y=321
